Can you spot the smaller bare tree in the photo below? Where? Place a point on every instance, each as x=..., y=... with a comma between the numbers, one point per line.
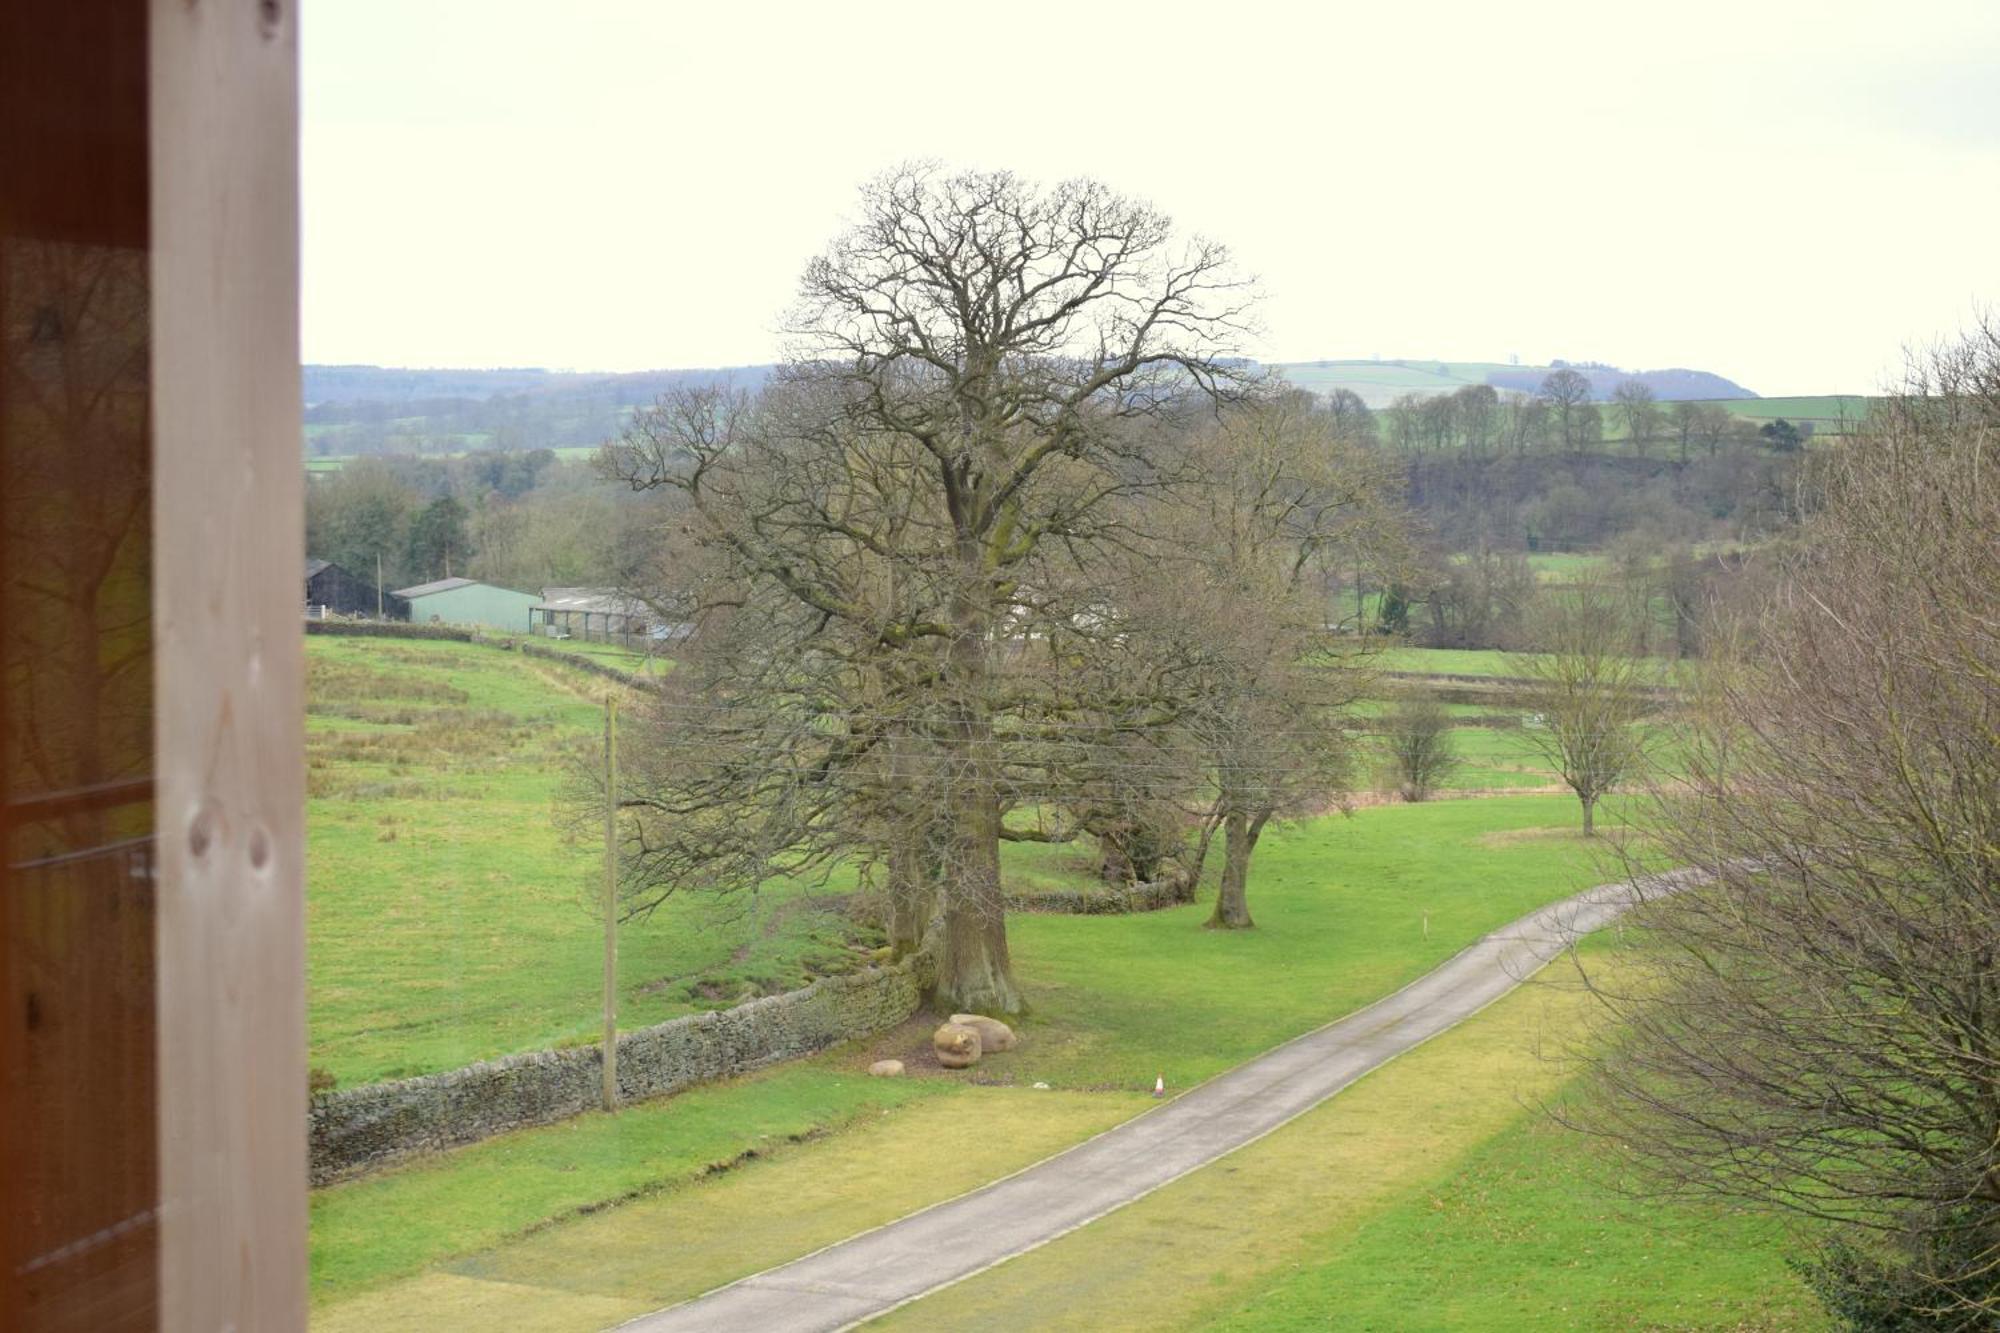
x=1589, y=688
x=1567, y=393
x=1637, y=411
x=1416, y=734
x=1684, y=416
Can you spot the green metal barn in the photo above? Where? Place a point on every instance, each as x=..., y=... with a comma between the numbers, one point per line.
x=469, y=602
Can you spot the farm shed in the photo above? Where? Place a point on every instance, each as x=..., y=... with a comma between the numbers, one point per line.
x=331, y=590
x=469, y=602
x=591, y=613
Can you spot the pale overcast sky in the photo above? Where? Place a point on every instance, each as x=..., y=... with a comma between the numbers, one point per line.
x=1786, y=194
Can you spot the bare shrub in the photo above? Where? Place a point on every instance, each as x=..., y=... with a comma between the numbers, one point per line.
x=1416, y=734
x=1819, y=1030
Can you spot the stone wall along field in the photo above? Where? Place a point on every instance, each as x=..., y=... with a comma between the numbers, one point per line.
x=383, y=629
x=363, y=1128
x=1107, y=899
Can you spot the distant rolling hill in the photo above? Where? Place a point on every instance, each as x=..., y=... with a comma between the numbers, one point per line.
x=1381, y=382
x=355, y=409
x=330, y=386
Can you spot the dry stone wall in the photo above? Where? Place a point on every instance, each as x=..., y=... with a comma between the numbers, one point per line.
x=387, y=629
x=1107, y=899
x=391, y=629
x=363, y=1128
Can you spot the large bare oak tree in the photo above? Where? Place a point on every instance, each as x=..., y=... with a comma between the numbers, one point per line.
x=971, y=368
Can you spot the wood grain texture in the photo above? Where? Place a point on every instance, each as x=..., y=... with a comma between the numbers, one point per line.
x=227, y=547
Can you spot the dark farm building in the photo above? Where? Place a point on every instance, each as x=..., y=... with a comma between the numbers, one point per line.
x=332, y=591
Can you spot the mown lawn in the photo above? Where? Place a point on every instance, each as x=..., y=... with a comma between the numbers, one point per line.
x=1533, y=1226
x=1434, y=1193
x=1347, y=909
x=1530, y=1232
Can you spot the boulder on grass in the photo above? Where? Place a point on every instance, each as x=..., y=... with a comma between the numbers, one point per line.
x=886, y=1069
x=957, y=1046
x=993, y=1034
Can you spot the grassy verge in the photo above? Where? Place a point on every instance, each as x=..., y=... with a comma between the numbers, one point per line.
x=392, y=1223
x=1341, y=904
x=610, y=1266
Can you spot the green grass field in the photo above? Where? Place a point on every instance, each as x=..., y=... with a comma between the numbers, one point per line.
x=1432, y=1194
x=1831, y=414
x=1348, y=909
x=466, y=444
x=1379, y=382
x=612, y=655
x=448, y=921
x=1529, y=1230
x=1446, y=661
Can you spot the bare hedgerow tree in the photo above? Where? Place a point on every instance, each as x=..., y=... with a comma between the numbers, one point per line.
x=1819, y=1030
x=1566, y=393
x=973, y=370
x=1638, y=412
x=1350, y=416
x=1588, y=687
x=1682, y=416
x=1416, y=735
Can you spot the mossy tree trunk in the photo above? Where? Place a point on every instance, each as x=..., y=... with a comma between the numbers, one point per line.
x=1240, y=831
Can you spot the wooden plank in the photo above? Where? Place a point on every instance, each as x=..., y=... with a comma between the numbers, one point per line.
x=231, y=777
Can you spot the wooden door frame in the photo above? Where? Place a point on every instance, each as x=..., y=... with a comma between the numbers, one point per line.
x=229, y=663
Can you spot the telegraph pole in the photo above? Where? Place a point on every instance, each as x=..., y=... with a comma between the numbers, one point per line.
x=378, y=585
x=610, y=902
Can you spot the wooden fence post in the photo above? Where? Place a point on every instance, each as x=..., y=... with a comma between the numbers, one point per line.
x=610, y=902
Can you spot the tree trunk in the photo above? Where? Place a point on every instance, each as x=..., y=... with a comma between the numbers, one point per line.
x=1589, y=824
x=913, y=886
x=1239, y=839
x=974, y=973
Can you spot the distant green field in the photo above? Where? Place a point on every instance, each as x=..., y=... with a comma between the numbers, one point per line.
x=1564, y=566
x=1830, y=414
x=1378, y=382
x=612, y=655
x=1447, y=661
x=472, y=444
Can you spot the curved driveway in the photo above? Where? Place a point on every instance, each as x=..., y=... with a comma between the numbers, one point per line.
x=876, y=1271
